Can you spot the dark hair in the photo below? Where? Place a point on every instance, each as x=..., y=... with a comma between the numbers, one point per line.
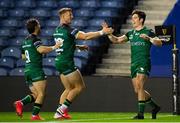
x=140, y=14
x=31, y=24
x=63, y=10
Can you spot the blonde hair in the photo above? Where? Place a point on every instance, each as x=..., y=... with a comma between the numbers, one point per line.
x=63, y=10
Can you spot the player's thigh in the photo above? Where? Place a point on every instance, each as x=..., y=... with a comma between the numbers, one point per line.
x=134, y=81
x=65, y=82
x=40, y=86
x=75, y=78
x=33, y=90
x=141, y=79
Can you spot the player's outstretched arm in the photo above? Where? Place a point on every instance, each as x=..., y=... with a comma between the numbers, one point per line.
x=117, y=40
x=113, y=38
x=47, y=49
x=91, y=35
x=155, y=41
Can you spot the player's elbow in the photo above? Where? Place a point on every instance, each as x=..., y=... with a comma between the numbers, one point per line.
x=23, y=57
x=41, y=50
x=158, y=43
x=86, y=37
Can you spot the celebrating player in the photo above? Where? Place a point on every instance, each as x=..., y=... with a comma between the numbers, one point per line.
x=141, y=38
x=70, y=76
x=32, y=51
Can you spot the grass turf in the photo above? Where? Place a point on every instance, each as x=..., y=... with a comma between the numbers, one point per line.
x=90, y=117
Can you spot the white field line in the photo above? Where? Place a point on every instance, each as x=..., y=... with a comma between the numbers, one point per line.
x=122, y=117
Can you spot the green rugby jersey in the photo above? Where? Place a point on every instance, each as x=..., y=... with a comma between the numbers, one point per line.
x=66, y=35
x=140, y=48
x=29, y=49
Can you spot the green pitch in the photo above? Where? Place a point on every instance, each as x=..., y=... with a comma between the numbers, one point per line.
x=89, y=117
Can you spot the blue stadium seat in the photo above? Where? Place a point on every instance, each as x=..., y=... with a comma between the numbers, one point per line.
x=16, y=42
x=68, y=3
x=17, y=13
x=6, y=4
x=112, y=3
x=51, y=54
x=3, y=42
x=47, y=32
x=17, y=72
x=40, y=13
x=96, y=22
x=89, y=3
x=3, y=72
x=54, y=14
x=10, y=23
x=7, y=63
x=78, y=63
x=52, y=23
x=3, y=13
x=49, y=62
x=81, y=54
x=22, y=32
x=83, y=13
x=47, y=3
x=20, y=63
x=11, y=52
x=90, y=43
x=92, y=29
x=48, y=71
x=79, y=23
x=5, y=32
x=106, y=13
x=25, y=3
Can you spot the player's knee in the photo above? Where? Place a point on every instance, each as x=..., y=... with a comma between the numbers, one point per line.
x=83, y=88
x=80, y=88
x=34, y=95
x=136, y=90
x=41, y=95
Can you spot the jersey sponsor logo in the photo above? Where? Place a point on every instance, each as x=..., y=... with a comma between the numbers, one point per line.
x=137, y=34
x=24, y=46
x=60, y=49
x=137, y=44
x=60, y=34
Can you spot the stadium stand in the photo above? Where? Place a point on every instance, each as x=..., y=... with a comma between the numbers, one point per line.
x=11, y=52
x=48, y=71
x=20, y=63
x=7, y=63
x=88, y=16
x=17, y=72
x=3, y=72
x=49, y=63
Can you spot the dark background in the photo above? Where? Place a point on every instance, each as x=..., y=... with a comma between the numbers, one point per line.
x=102, y=94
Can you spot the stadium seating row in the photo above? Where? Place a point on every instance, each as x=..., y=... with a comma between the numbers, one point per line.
x=88, y=16
x=7, y=66
x=62, y=3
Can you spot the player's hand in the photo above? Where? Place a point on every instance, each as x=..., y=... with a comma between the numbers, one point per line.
x=106, y=29
x=82, y=47
x=58, y=44
x=104, y=25
x=145, y=37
